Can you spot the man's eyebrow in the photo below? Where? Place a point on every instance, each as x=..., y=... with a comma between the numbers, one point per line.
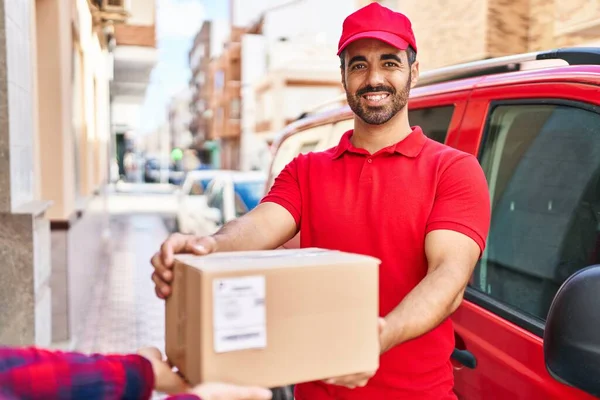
x=357, y=59
x=391, y=57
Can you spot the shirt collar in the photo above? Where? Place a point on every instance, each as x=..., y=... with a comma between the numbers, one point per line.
x=410, y=146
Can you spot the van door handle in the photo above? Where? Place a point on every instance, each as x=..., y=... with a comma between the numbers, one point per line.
x=465, y=357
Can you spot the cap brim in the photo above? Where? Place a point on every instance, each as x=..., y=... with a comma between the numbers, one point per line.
x=387, y=37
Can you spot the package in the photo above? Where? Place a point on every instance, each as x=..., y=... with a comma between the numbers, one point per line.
x=273, y=318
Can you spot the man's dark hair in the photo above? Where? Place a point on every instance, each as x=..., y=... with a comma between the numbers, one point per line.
x=411, y=54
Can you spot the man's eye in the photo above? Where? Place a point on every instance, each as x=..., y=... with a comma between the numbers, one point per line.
x=357, y=66
x=391, y=64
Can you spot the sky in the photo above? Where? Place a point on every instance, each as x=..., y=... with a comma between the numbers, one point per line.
x=177, y=23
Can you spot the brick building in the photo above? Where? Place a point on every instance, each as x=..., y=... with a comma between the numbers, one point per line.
x=474, y=30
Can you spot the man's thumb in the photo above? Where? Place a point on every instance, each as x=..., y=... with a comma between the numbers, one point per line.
x=381, y=324
x=202, y=246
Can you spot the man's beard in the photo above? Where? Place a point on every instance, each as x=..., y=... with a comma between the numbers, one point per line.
x=380, y=114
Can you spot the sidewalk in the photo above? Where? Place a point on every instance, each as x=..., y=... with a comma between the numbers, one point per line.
x=125, y=313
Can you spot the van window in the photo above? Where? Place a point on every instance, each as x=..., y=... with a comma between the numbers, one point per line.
x=339, y=128
x=313, y=139
x=434, y=121
x=542, y=162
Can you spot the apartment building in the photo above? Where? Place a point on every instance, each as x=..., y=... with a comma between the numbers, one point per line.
x=207, y=46
x=55, y=81
x=134, y=57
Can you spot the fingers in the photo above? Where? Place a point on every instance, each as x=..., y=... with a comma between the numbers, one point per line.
x=164, y=272
x=253, y=393
x=381, y=325
x=162, y=288
x=164, y=259
x=201, y=246
x=169, y=248
x=351, y=381
x=150, y=353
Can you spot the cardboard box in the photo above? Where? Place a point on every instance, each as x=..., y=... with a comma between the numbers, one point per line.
x=273, y=318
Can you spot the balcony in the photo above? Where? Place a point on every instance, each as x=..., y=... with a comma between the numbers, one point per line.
x=112, y=11
x=263, y=127
x=135, y=35
x=233, y=129
x=132, y=68
x=233, y=90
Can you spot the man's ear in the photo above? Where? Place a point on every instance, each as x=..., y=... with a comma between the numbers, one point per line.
x=343, y=76
x=414, y=72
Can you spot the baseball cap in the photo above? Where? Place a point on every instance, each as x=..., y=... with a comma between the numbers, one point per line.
x=377, y=22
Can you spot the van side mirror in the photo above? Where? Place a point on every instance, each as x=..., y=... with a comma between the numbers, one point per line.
x=572, y=333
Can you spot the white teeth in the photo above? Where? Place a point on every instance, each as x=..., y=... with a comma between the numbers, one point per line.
x=376, y=97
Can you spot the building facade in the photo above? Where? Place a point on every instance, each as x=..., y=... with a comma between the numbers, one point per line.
x=134, y=57
x=55, y=133
x=470, y=31
x=207, y=47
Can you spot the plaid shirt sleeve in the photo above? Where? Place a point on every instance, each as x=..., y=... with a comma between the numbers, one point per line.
x=31, y=373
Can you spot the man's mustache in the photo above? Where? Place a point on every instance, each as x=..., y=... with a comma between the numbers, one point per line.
x=373, y=89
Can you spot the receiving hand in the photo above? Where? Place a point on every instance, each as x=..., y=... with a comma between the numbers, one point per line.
x=222, y=391
x=360, y=379
x=163, y=260
x=165, y=379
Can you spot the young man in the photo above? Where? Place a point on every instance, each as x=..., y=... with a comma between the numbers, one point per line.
x=32, y=373
x=385, y=190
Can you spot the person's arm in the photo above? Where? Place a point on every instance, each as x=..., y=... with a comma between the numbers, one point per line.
x=455, y=239
x=44, y=374
x=268, y=226
x=451, y=258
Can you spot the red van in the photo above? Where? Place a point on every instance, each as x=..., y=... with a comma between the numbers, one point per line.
x=533, y=120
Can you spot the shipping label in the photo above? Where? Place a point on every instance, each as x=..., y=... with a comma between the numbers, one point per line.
x=239, y=313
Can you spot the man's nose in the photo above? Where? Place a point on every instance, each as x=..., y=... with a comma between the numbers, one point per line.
x=375, y=77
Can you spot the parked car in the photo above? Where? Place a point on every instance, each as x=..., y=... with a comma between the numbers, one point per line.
x=533, y=120
x=210, y=198
x=191, y=201
x=232, y=195
x=155, y=170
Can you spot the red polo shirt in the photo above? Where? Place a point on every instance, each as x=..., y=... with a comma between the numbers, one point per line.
x=383, y=205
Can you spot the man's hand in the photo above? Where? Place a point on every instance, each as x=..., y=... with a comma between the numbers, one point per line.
x=222, y=391
x=165, y=379
x=360, y=379
x=163, y=260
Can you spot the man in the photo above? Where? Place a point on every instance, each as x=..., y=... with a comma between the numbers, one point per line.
x=387, y=191
x=32, y=373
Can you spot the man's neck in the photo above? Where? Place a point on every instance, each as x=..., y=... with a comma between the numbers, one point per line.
x=376, y=137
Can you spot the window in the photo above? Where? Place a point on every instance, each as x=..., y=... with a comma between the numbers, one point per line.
x=235, y=108
x=214, y=198
x=433, y=120
x=247, y=195
x=312, y=139
x=542, y=162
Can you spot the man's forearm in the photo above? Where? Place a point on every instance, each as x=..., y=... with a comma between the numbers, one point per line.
x=433, y=300
x=266, y=228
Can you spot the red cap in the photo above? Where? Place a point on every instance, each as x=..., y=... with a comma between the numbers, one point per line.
x=377, y=22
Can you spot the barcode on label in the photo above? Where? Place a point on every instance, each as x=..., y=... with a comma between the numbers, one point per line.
x=239, y=313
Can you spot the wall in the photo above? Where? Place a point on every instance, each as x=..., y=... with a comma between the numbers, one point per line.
x=17, y=78
x=142, y=12
x=54, y=106
x=298, y=99
x=25, y=313
x=447, y=35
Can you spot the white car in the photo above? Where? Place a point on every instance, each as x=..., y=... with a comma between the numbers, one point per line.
x=230, y=194
x=191, y=201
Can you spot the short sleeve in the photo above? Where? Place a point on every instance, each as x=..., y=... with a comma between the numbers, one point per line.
x=286, y=191
x=462, y=201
